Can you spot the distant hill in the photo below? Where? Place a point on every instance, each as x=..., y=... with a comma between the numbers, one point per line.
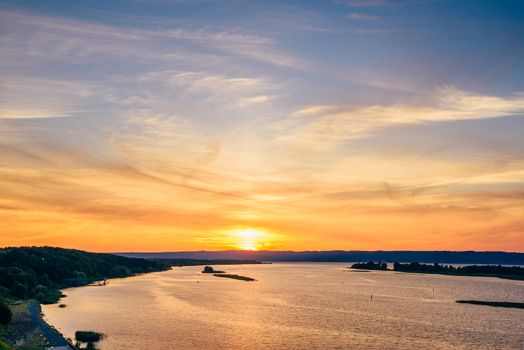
x=39, y=272
x=448, y=257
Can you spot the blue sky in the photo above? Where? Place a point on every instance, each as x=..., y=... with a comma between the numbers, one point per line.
x=374, y=123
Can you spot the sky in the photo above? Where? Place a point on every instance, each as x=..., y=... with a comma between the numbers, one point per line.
x=281, y=125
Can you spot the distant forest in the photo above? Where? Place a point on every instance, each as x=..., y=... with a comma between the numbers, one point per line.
x=39, y=272
x=448, y=257
x=508, y=272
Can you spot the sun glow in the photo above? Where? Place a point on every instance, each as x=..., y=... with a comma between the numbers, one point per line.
x=249, y=238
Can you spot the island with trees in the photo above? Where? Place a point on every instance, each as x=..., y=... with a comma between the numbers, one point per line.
x=216, y=273
x=508, y=272
x=370, y=266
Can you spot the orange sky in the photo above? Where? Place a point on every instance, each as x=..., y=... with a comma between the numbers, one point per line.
x=53, y=195
x=293, y=128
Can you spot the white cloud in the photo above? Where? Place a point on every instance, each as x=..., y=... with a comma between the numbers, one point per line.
x=333, y=124
x=240, y=91
x=30, y=36
x=30, y=114
x=255, y=100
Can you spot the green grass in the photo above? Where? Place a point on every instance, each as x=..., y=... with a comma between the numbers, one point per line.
x=33, y=343
x=5, y=346
x=21, y=327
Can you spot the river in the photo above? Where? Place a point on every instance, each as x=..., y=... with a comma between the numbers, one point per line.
x=294, y=306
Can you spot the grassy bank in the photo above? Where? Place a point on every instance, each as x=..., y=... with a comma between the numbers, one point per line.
x=21, y=333
x=30, y=276
x=40, y=272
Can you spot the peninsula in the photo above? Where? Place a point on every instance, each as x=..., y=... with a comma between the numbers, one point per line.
x=30, y=276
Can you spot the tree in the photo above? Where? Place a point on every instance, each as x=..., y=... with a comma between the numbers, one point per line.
x=208, y=269
x=5, y=314
x=20, y=290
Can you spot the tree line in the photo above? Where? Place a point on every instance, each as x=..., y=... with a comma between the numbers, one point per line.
x=511, y=272
x=39, y=272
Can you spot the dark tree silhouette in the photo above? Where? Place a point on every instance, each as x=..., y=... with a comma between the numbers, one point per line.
x=39, y=272
x=370, y=266
x=5, y=314
x=208, y=269
x=514, y=272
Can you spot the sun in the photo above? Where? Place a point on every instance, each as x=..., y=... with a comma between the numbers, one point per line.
x=249, y=238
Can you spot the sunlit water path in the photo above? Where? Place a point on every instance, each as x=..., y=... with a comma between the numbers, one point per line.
x=295, y=306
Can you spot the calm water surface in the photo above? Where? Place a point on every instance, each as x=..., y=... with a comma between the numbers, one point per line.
x=295, y=306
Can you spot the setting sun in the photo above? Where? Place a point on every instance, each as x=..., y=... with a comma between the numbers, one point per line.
x=224, y=171
x=249, y=238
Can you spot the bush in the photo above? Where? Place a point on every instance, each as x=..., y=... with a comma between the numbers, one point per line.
x=20, y=290
x=5, y=346
x=5, y=314
x=208, y=269
x=87, y=336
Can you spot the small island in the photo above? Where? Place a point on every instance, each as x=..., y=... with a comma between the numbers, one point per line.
x=508, y=272
x=235, y=277
x=216, y=273
x=499, y=271
x=493, y=303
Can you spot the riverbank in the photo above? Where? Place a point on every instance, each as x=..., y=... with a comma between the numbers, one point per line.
x=29, y=331
x=293, y=306
x=54, y=338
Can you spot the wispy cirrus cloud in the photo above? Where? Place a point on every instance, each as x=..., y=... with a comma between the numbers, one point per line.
x=379, y=30
x=31, y=114
x=255, y=100
x=378, y=3
x=29, y=34
x=332, y=124
x=363, y=3
x=24, y=97
x=186, y=121
x=203, y=81
x=355, y=16
x=225, y=89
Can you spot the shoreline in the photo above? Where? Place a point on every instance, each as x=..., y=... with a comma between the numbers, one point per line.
x=36, y=313
x=52, y=335
x=356, y=270
x=504, y=277
x=383, y=267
